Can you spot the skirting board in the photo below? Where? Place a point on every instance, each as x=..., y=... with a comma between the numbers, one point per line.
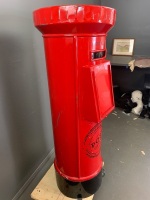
x=42, y=168
x=47, y=188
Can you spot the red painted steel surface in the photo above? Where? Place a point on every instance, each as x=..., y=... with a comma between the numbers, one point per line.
x=80, y=84
x=74, y=19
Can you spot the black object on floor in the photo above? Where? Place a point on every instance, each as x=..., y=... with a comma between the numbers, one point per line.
x=79, y=190
x=146, y=98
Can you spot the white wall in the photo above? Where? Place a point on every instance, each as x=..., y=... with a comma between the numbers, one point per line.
x=132, y=22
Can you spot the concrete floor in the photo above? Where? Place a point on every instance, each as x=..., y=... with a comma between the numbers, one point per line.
x=126, y=152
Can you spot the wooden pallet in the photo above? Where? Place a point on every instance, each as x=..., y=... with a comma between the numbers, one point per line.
x=47, y=188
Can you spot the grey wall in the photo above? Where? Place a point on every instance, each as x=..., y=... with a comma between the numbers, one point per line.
x=25, y=122
x=133, y=21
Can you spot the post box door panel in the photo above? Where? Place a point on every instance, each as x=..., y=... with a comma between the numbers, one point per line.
x=97, y=94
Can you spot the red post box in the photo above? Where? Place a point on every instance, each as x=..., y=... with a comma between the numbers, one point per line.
x=80, y=87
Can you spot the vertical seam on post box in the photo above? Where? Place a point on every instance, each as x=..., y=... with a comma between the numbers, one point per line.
x=77, y=100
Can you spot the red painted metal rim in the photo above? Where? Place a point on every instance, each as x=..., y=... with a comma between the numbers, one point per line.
x=78, y=179
x=74, y=14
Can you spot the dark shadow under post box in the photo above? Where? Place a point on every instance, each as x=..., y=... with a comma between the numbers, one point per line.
x=80, y=87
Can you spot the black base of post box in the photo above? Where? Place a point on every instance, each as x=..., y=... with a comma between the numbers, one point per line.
x=78, y=189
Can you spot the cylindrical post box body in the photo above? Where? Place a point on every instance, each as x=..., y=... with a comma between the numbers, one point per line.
x=80, y=87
